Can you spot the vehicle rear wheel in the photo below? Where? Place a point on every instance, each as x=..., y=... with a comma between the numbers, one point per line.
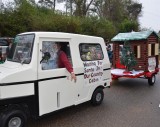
x=151, y=80
x=97, y=97
x=13, y=118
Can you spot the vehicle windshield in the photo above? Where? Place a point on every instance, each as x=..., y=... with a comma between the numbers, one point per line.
x=21, y=49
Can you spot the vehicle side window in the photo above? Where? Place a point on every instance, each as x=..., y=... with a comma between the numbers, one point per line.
x=50, y=47
x=90, y=52
x=3, y=43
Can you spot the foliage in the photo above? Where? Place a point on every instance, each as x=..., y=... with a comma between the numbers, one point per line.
x=127, y=57
x=128, y=26
x=26, y=15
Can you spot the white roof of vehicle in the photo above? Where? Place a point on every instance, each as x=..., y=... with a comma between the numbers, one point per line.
x=59, y=35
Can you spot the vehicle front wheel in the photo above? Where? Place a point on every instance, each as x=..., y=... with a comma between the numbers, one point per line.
x=13, y=118
x=151, y=80
x=97, y=97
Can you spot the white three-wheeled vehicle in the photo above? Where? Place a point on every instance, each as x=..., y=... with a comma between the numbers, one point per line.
x=32, y=84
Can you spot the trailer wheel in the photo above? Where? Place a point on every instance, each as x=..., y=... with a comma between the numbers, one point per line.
x=151, y=80
x=97, y=97
x=13, y=118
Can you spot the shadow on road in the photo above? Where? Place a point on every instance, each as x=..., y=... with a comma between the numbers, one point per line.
x=131, y=83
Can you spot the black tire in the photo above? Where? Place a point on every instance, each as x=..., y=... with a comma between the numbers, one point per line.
x=13, y=118
x=97, y=97
x=152, y=80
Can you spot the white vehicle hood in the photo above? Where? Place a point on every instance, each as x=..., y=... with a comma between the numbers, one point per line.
x=11, y=72
x=8, y=68
x=10, y=65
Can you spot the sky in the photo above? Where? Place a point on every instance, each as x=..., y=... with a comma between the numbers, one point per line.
x=150, y=18
x=150, y=14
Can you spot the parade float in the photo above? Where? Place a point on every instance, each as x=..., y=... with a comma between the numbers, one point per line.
x=135, y=55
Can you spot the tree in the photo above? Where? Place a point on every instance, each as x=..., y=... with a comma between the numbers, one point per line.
x=91, y=17
x=127, y=57
x=69, y=6
x=117, y=10
x=98, y=7
x=133, y=9
x=82, y=7
x=48, y=3
x=78, y=7
x=128, y=25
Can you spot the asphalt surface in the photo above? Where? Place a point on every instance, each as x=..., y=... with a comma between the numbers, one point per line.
x=128, y=103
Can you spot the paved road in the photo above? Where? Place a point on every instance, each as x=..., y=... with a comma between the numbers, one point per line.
x=128, y=103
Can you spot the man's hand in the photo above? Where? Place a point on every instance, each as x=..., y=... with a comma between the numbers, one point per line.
x=73, y=77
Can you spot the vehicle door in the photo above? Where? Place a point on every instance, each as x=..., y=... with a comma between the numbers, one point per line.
x=56, y=90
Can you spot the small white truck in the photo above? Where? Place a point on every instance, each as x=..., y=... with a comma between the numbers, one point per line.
x=31, y=84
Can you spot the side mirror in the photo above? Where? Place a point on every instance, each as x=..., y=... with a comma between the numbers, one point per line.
x=46, y=57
